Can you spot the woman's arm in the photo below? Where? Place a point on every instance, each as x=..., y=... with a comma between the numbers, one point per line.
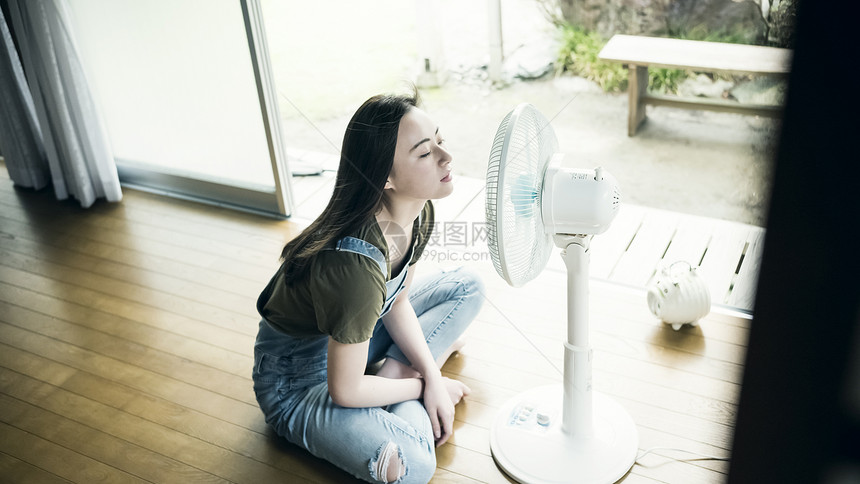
x=403, y=326
x=350, y=387
x=440, y=394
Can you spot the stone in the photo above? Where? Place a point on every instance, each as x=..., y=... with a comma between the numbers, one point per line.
x=704, y=86
x=761, y=90
x=532, y=60
x=739, y=20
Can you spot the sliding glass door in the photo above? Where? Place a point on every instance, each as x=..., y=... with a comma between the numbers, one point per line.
x=186, y=91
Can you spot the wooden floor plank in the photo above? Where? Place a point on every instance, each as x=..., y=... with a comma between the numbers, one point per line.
x=180, y=447
x=235, y=363
x=126, y=335
x=444, y=476
x=131, y=353
x=551, y=323
x=550, y=287
x=142, y=379
x=97, y=445
x=247, y=438
x=87, y=252
x=655, y=440
x=15, y=470
x=59, y=233
x=65, y=463
x=707, y=416
x=126, y=232
x=222, y=298
x=131, y=310
x=675, y=377
x=463, y=461
x=243, y=229
x=134, y=287
x=61, y=229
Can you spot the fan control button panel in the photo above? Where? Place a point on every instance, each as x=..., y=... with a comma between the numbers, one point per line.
x=543, y=419
x=530, y=416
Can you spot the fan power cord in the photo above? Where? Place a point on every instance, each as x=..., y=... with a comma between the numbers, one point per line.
x=698, y=455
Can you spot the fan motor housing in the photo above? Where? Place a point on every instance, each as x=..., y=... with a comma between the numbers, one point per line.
x=578, y=201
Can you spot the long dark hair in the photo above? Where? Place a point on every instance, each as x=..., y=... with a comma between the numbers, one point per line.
x=365, y=163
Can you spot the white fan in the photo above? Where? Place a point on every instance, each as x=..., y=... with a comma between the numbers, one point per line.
x=561, y=433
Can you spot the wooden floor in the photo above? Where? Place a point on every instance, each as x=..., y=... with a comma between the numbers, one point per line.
x=126, y=335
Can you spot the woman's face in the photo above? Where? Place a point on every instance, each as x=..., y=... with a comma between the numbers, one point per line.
x=422, y=165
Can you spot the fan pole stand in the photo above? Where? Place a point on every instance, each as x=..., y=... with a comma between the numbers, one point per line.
x=567, y=433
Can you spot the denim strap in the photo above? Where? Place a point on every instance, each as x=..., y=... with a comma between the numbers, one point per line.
x=362, y=247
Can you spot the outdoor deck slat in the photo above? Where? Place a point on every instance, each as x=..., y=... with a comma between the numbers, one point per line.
x=746, y=282
x=690, y=241
x=722, y=258
x=638, y=263
x=609, y=247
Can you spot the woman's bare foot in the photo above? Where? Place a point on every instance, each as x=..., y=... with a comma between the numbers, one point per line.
x=456, y=346
x=394, y=369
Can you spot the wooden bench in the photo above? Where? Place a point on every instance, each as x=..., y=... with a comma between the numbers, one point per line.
x=639, y=53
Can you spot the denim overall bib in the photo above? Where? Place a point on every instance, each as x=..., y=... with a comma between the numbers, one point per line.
x=289, y=364
x=361, y=247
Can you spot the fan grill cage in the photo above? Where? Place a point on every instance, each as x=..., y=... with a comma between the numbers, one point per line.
x=521, y=151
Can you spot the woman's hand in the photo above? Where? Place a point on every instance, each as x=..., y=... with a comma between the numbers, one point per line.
x=456, y=389
x=440, y=396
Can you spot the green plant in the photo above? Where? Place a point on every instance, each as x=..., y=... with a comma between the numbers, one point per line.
x=665, y=80
x=578, y=55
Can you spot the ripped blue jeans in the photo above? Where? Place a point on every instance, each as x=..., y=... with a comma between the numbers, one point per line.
x=290, y=384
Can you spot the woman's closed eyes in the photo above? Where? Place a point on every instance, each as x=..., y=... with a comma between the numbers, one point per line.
x=439, y=142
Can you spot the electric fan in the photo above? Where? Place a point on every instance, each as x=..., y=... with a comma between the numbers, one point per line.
x=559, y=433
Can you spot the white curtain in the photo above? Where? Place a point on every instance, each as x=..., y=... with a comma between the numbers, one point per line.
x=68, y=132
x=20, y=136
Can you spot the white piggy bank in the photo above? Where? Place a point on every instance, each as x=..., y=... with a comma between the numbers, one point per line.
x=679, y=296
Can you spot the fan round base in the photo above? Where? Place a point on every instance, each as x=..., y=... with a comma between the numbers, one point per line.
x=529, y=445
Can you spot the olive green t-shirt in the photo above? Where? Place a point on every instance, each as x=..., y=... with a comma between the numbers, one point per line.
x=344, y=292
